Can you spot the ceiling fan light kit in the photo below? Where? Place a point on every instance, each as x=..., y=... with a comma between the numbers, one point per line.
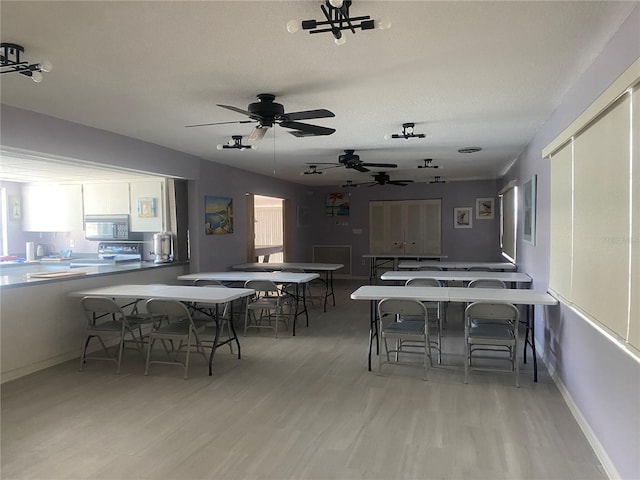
x=235, y=144
x=337, y=20
x=10, y=62
x=428, y=164
x=407, y=132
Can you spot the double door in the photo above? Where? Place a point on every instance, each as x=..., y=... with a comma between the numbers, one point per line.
x=405, y=227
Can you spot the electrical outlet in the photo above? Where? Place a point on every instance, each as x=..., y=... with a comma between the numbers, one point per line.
x=72, y=244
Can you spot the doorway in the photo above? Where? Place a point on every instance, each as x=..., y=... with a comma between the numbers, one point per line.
x=268, y=229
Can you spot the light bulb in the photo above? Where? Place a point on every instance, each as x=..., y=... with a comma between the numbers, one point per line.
x=387, y=136
x=231, y=143
x=336, y=3
x=383, y=24
x=219, y=147
x=340, y=41
x=36, y=77
x=293, y=26
x=46, y=66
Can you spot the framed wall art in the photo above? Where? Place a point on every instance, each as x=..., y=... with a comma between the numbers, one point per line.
x=463, y=217
x=337, y=204
x=146, y=207
x=485, y=209
x=529, y=210
x=218, y=215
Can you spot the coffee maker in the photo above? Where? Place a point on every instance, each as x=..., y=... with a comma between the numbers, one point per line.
x=162, y=247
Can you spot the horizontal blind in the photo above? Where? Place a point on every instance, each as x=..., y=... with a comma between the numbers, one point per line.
x=634, y=316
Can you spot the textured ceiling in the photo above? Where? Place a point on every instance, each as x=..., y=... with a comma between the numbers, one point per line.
x=478, y=73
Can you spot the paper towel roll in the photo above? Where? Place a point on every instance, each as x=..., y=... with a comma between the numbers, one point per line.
x=31, y=246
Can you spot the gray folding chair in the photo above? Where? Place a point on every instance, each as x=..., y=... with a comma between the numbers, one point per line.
x=435, y=311
x=266, y=308
x=173, y=323
x=105, y=319
x=490, y=332
x=410, y=338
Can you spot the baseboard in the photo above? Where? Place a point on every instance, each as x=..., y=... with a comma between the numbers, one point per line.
x=35, y=367
x=593, y=440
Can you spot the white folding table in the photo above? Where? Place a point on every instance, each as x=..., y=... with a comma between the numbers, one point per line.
x=457, y=276
x=276, y=277
x=505, y=266
x=187, y=294
x=326, y=269
x=375, y=293
x=380, y=259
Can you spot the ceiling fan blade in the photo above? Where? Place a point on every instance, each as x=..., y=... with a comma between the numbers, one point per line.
x=381, y=165
x=309, y=114
x=256, y=134
x=235, y=109
x=358, y=167
x=219, y=123
x=305, y=130
x=400, y=183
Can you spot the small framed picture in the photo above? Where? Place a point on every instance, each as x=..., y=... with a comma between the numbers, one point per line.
x=15, y=207
x=146, y=207
x=485, y=209
x=463, y=217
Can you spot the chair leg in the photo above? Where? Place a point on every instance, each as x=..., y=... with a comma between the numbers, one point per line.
x=84, y=352
x=186, y=361
x=149, y=347
x=120, y=349
x=467, y=361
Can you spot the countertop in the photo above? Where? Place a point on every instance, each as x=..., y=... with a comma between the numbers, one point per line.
x=14, y=275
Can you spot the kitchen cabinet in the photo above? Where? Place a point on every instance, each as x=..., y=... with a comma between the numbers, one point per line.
x=52, y=208
x=106, y=198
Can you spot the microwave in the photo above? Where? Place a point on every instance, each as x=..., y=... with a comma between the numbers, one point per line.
x=106, y=227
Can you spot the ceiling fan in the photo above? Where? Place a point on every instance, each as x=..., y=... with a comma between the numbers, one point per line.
x=266, y=112
x=350, y=160
x=427, y=164
x=235, y=143
x=380, y=178
x=436, y=179
x=407, y=132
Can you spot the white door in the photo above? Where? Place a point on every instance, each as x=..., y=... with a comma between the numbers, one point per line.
x=405, y=227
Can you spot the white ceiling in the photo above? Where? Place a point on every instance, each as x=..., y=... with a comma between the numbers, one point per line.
x=477, y=73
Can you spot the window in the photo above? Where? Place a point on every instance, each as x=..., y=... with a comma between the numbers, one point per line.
x=595, y=213
x=508, y=222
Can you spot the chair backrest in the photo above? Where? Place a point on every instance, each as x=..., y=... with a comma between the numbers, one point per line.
x=432, y=268
x=99, y=307
x=172, y=310
x=486, y=283
x=423, y=282
x=493, y=311
x=266, y=286
x=479, y=269
x=401, y=306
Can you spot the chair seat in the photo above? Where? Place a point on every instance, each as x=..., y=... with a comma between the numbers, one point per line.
x=491, y=331
x=263, y=303
x=179, y=328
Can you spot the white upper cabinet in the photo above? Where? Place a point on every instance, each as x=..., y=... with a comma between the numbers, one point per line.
x=106, y=199
x=52, y=208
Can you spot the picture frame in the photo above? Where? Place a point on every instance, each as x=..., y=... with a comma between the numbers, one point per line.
x=146, y=207
x=485, y=208
x=15, y=207
x=218, y=215
x=529, y=193
x=463, y=217
x=337, y=204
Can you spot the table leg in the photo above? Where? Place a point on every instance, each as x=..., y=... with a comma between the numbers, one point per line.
x=215, y=340
x=373, y=330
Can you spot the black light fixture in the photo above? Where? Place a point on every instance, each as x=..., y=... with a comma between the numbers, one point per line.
x=338, y=19
x=436, y=179
x=10, y=62
x=428, y=164
x=235, y=143
x=407, y=132
x=313, y=170
x=469, y=150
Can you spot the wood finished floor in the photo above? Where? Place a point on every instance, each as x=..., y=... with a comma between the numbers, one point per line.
x=292, y=408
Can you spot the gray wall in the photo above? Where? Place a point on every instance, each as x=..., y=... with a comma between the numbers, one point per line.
x=602, y=380
x=478, y=243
